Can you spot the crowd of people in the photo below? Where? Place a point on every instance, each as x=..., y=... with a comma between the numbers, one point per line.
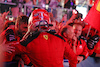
x=41, y=41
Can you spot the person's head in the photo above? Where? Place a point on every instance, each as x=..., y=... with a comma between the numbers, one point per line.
x=21, y=25
x=77, y=29
x=68, y=32
x=39, y=19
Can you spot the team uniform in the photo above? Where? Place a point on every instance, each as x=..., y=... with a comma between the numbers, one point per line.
x=93, y=45
x=10, y=58
x=81, y=48
x=46, y=50
x=96, y=49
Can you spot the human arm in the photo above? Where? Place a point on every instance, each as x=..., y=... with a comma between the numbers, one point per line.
x=80, y=58
x=96, y=52
x=26, y=59
x=74, y=15
x=71, y=56
x=84, y=53
x=2, y=20
x=74, y=41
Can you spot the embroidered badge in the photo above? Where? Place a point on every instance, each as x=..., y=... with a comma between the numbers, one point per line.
x=45, y=37
x=80, y=46
x=97, y=48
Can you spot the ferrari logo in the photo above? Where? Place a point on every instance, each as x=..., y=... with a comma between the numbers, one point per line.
x=98, y=6
x=45, y=37
x=97, y=48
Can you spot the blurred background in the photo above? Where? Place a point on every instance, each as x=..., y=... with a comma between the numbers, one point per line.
x=56, y=8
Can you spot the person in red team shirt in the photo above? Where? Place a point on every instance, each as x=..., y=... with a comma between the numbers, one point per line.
x=11, y=35
x=44, y=48
x=94, y=46
x=81, y=47
x=76, y=42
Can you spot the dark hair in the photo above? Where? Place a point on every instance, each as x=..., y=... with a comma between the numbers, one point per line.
x=80, y=15
x=22, y=19
x=64, y=29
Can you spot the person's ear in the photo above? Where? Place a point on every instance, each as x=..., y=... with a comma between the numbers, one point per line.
x=16, y=25
x=65, y=35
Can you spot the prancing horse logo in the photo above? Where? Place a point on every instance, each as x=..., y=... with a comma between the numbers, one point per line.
x=45, y=37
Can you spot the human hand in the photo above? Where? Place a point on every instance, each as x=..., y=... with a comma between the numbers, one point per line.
x=74, y=40
x=32, y=28
x=7, y=47
x=79, y=58
x=74, y=15
x=74, y=12
x=4, y=15
x=1, y=23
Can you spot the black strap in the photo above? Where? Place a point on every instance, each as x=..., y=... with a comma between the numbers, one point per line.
x=30, y=38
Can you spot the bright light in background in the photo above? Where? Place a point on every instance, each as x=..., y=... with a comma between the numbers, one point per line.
x=76, y=2
x=47, y=6
x=43, y=5
x=11, y=18
x=82, y=10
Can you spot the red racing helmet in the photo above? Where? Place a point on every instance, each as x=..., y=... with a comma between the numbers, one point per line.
x=40, y=18
x=39, y=15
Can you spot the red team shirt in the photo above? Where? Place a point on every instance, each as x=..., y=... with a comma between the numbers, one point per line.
x=81, y=48
x=47, y=50
x=10, y=56
x=44, y=50
x=95, y=50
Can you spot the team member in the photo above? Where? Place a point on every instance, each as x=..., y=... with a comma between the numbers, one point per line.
x=93, y=45
x=81, y=47
x=76, y=43
x=12, y=35
x=44, y=48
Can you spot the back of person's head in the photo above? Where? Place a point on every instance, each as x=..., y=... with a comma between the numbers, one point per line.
x=68, y=32
x=66, y=29
x=22, y=19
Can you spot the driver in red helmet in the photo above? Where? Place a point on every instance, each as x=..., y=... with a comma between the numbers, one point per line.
x=44, y=48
